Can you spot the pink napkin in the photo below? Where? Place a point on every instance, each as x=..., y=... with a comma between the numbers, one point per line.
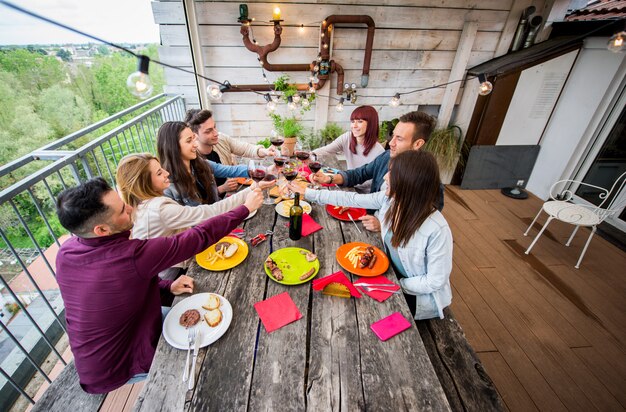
x=309, y=225
x=277, y=311
x=390, y=326
x=378, y=295
x=339, y=277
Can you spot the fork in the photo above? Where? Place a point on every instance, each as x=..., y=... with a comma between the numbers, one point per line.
x=191, y=338
x=372, y=288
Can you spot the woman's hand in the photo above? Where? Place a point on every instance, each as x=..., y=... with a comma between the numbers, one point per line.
x=254, y=200
x=370, y=223
x=297, y=188
x=183, y=284
x=266, y=184
x=229, y=186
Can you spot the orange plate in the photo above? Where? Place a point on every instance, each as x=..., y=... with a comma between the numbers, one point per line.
x=380, y=267
x=355, y=212
x=243, y=181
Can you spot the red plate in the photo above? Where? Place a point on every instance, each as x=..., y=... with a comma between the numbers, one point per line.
x=355, y=212
x=380, y=266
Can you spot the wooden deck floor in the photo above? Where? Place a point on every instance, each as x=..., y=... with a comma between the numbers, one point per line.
x=550, y=336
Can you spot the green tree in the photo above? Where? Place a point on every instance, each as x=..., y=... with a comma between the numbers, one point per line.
x=63, y=110
x=34, y=71
x=64, y=55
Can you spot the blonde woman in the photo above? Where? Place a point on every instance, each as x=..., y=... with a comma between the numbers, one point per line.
x=141, y=181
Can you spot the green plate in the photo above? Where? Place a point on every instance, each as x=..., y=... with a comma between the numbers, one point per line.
x=293, y=264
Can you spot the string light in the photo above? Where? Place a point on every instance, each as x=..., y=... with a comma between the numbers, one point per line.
x=339, y=106
x=305, y=100
x=138, y=83
x=485, y=85
x=395, y=100
x=296, y=98
x=311, y=88
x=271, y=104
x=319, y=57
x=617, y=42
x=302, y=28
x=291, y=104
x=213, y=90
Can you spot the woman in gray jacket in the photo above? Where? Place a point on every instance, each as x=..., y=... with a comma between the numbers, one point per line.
x=416, y=236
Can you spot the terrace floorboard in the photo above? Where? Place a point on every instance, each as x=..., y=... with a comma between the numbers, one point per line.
x=550, y=336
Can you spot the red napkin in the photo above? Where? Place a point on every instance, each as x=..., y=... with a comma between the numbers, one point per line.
x=277, y=311
x=378, y=295
x=390, y=326
x=309, y=225
x=339, y=277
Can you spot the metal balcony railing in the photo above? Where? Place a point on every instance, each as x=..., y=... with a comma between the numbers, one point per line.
x=31, y=309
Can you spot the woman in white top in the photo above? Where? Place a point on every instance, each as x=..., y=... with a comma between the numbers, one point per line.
x=416, y=236
x=141, y=181
x=360, y=145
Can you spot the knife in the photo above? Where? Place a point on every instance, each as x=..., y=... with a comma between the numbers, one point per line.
x=357, y=226
x=196, y=347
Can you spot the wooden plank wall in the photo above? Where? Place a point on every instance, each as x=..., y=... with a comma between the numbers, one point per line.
x=414, y=47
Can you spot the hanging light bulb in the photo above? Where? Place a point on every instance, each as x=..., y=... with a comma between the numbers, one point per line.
x=395, y=100
x=296, y=98
x=260, y=61
x=319, y=57
x=290, y=103
x=302, y=28
x=311, y=88
x=138, y=83
x=213, y=90
x=339, y=106
x=485, y=85
x=316, y=68
x=617, y=42
x=305, y=100
x=325, y=45
x=271, y=104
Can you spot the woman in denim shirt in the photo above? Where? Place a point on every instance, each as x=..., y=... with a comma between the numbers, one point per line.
x=192, y=177
x=416, y=236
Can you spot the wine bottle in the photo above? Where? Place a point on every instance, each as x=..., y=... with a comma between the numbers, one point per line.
x=295, y=219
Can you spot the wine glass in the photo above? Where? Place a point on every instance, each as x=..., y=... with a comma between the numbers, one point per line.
x=290, y=171
x=303, y=152
x=315, y=165
x=257, y=171
x=277, y=141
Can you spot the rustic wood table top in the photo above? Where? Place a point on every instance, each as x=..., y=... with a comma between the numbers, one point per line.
x=328, y=360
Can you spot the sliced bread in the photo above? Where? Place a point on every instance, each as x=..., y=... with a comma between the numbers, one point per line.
x=213, y=317
x=212, y=303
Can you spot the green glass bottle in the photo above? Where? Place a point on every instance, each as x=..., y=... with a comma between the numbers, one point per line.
x=295, y=219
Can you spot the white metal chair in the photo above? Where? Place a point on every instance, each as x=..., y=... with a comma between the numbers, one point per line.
x=561, y=209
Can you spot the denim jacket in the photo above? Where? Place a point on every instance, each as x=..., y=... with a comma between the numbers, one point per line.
x=427, y=257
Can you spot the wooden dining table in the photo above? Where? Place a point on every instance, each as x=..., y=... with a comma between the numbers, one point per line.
x=329, y=359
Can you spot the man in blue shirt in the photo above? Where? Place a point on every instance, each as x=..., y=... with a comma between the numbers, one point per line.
x=411, y=133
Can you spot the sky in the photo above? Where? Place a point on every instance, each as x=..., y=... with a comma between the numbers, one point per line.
x=117, y=21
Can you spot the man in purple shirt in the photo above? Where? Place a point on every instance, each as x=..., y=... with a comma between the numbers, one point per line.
x=110, y=284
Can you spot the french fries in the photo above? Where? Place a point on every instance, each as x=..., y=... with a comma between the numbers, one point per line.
x=354, y=255
x=212, y=257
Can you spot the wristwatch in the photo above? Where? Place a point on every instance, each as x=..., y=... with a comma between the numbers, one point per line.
x=331, y=179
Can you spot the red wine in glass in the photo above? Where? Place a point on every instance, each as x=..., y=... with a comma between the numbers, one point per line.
x=269, y=177
x=315, y=166
x=280, y=161
x=290, y=175
x=302, y=155
x=257, y=174
x=277, y=142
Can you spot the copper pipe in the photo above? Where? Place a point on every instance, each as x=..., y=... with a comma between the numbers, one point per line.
x=263, y=51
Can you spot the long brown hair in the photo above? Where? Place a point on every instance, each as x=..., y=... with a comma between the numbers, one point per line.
x=414, y=187
x=168, y=147
x=134, y=179
x=370, y=115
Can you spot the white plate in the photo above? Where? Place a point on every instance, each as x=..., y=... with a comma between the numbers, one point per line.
x=283, y=207
x=176, y=335
x=252, y=214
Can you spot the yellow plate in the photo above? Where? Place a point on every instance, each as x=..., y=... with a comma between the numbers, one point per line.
x=283, y=207
x=223, y=264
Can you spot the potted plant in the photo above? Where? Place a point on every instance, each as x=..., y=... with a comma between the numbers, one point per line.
x=290, y=128
x=446, y=145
